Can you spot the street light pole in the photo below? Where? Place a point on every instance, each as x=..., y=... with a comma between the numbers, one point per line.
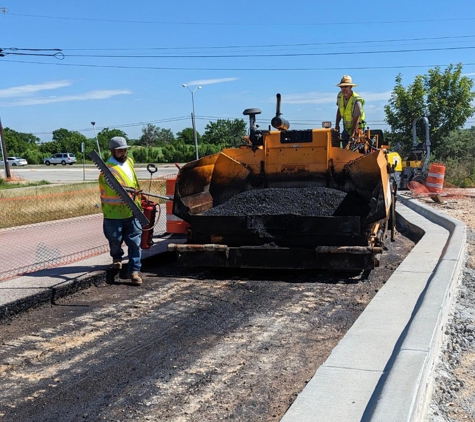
x=193, y=122
x=97, y=141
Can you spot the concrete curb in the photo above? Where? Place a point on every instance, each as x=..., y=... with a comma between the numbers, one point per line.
x=381, y=370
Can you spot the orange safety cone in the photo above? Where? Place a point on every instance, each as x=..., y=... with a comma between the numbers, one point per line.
x=174, y=223
x=435, y=178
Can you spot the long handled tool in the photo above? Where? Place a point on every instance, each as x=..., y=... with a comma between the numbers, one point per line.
x=114, y=184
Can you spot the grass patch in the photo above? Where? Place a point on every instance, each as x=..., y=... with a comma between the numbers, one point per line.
x=14, y=184
x=40, y=203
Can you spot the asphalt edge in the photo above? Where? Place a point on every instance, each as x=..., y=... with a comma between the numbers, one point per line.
x=73, y=284
x=51, y=294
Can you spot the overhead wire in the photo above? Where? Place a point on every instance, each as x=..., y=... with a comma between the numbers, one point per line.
x=34, y=52
x=266, y=69
x=276, y=23
x=41, y=52
x=331, y=43
x=294, y=122
x=222, y=56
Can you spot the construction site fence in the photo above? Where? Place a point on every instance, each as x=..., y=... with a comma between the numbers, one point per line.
x=46, y=227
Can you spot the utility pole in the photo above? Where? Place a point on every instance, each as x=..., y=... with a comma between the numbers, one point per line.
x=193, y=122
x=4, y=153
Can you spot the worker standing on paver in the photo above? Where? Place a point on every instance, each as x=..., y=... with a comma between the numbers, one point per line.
x=119, y=223
x=350, y=109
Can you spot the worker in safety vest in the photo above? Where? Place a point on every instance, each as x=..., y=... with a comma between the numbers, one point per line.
x=119, y=223
x=350, y=109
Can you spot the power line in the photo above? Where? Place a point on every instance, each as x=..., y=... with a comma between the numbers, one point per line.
x=224, y=56
x=125, y=125
x=260, y=23
x=312, y=69
x=276, y=45
x=40, y=52
x=294, y=122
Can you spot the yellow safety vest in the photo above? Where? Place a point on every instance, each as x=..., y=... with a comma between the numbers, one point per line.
x=346, y=113
x=111, y=203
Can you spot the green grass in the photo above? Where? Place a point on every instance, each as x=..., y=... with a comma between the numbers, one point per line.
x=41, y=202
x=13, y=185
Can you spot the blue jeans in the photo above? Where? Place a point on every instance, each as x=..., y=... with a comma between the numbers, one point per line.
x=127, y=230
x=345, y=138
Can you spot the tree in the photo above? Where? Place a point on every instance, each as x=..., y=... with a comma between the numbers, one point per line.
x=459, y=146
x=64, y=140
x=165, y=136
x=18, y=143
x=155, y=136
x=225, y=132
x=443, y=97
x=186, y=136
x=458, y=155
x=104, y=136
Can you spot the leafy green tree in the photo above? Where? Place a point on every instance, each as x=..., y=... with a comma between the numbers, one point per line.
x=154, y=136
x=20, y=144
x=225, y=132
x=458, y=145
x=149, y=135
x=186, y=136
x=445, y=98
x=68, y=141
x=104, y=136
x=165, y=136
x=51, y=147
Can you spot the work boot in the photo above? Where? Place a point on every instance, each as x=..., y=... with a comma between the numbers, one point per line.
x=136, y=279
x=117, y=264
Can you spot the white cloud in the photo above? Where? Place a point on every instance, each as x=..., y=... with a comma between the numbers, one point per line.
x=376, y=96
x=92, y=95
x=212, y=81
x=25, y=90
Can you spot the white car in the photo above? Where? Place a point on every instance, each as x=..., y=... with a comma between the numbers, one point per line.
x=62, y=158
x=15, y=161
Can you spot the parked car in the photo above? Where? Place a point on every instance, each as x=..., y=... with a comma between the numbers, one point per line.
x=15, y=161
x=61, y=158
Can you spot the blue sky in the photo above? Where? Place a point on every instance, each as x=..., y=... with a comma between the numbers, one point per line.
x=241, y=53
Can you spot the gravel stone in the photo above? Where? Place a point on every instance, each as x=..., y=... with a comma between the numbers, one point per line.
x=453, y=399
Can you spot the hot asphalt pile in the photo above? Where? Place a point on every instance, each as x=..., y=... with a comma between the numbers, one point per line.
x=313, y=202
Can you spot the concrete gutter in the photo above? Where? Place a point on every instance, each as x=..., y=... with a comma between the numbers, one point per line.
x=382, y=368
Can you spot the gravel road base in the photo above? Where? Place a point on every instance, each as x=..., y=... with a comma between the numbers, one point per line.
x=197, y=345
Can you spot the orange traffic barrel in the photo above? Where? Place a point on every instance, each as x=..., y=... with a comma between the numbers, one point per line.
x=435, y=178
x=174, y=223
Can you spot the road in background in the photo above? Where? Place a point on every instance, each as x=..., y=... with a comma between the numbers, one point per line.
x=80, y=173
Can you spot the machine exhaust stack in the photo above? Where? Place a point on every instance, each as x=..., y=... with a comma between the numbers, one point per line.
x=279, y=122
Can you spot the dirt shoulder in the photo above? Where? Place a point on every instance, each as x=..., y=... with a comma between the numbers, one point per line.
x=454, y=396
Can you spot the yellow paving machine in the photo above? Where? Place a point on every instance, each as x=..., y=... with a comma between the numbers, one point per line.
x=288, y=199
